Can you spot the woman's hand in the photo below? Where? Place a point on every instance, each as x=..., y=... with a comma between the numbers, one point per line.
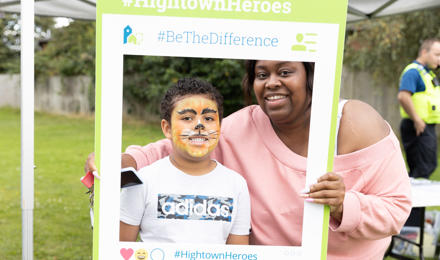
x=329, y=190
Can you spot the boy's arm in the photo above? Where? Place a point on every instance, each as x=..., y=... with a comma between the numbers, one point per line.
x=237, y=240
x=240, y=230
x=128, y=232
x=132, y=200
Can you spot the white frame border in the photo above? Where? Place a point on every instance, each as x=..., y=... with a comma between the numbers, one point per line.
x=113, y=51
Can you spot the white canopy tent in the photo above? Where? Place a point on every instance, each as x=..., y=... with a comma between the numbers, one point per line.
x=367, y=9
x=86, y=10
x=77, y=9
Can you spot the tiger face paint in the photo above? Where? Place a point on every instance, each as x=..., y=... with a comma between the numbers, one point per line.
x=195, y=125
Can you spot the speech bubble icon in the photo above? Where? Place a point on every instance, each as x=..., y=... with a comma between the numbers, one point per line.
x=157, y=254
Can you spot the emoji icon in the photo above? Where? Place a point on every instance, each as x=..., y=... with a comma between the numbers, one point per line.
x=126, y=253
x=141, y=254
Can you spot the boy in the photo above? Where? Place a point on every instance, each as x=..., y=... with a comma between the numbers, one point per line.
x=187, y=197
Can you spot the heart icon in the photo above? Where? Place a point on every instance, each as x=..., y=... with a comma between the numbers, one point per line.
x=126, y=253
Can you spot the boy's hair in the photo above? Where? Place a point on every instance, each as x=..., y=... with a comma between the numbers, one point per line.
x=189, y=86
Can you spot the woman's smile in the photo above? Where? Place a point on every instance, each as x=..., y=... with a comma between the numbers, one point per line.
x=275, y=97
x=275, y=100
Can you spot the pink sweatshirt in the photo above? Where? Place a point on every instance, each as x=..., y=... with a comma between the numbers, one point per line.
x=377, y=199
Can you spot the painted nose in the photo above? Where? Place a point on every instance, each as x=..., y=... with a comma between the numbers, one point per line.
x=200, y=127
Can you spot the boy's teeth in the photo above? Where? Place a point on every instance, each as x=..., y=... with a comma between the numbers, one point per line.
x=197, y=139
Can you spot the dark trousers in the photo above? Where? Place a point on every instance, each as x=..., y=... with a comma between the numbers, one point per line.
x=421, y=151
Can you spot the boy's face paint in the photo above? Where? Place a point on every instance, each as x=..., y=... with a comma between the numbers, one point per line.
x=195, y=125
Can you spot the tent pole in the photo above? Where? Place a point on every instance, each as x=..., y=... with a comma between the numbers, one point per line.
x=27, y=126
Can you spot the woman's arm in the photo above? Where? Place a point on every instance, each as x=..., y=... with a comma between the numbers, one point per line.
x=361, y=126
x=146, y=155
x=380, y=203
x=136, y=156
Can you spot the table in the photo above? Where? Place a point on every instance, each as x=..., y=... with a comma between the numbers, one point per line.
x=425, y=193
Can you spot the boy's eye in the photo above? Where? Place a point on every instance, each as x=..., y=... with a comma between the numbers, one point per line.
x=187, y=118
x=209, y=119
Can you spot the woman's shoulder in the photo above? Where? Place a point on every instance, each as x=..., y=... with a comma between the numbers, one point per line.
x=361, y=126
x=238, y=118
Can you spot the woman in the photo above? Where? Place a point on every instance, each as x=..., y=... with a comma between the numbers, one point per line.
x=268, y=144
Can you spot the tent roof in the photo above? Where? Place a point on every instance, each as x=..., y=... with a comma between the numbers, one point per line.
x=364, y=9
x=357, y=9
x=77, y=9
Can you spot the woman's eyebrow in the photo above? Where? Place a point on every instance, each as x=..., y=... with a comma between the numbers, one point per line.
x=281, y=63
x=187, y=110
x=208, y=110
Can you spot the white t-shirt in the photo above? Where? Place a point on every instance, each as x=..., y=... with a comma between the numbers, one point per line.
x=174, y=207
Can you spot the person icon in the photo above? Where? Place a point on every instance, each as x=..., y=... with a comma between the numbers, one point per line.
x=299, y=47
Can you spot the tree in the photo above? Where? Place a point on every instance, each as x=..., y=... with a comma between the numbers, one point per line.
x=70, y=51
x=10, y=39
x=384, y=46
x=146, y=78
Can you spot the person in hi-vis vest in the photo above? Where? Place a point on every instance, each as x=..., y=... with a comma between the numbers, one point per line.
x=419, y=98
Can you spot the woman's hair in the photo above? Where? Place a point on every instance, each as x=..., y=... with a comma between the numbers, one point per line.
x=189, y=86
x=249, y=77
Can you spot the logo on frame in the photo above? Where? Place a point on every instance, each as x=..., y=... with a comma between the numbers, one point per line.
x=132, y=38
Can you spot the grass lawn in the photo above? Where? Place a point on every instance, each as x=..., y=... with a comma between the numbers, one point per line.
x=61, y=215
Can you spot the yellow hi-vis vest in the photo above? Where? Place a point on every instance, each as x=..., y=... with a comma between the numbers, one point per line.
x=426, y=103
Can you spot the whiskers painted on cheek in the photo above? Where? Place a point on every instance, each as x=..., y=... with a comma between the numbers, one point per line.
x=212, y=134
x=188, y=133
